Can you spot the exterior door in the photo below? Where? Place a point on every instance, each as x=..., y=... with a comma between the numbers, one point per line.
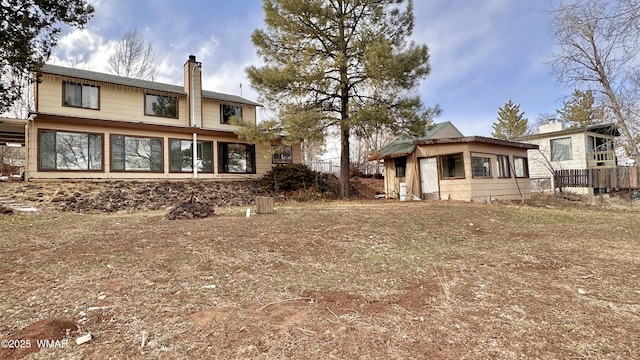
x=429, y=178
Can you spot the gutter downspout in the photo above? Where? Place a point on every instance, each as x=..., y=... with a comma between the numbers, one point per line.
x=194, y=147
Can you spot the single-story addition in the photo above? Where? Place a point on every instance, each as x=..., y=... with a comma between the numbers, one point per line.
x=468, y=168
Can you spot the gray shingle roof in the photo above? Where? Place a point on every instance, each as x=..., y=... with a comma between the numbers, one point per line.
x=137, y=83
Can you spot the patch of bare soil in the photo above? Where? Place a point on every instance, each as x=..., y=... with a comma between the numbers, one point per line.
x=33, y=337
x=368, y=188
x=349, y=280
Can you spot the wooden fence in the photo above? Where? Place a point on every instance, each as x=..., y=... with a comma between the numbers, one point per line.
x=621, y=177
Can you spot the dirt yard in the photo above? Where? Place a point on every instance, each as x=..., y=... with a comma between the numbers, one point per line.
x=366, y=279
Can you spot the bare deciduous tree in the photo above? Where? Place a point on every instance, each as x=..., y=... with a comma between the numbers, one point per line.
x=541, y=119
x=599, y=44
x=133, y=57
x=24, y=104
x=368, y=140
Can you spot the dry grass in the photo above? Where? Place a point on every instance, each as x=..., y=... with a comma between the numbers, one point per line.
x=332, y=280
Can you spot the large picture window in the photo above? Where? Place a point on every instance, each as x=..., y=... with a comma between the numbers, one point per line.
x=237, y=158
x=181, y=154
x=520, y=167
x=502, y=165
x=80, y=95
x=159, y=105
x=452, y=166
x=129, y=153
x=561, y=149
x=227, y=112
x=61, y=150
x=281, y=154
x=480, y=166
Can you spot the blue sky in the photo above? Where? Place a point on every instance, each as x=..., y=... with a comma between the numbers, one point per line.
x=483, y=52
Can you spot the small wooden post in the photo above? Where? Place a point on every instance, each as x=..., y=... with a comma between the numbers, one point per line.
x=264, y=205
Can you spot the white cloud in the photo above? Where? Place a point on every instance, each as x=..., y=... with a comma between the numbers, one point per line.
x=227, y=78
x=79, y=40
x=169, y=71
x=83, y=48
x=208, y=48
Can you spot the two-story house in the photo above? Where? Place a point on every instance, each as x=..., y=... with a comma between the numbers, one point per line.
x=559, y=148
x=91, y=125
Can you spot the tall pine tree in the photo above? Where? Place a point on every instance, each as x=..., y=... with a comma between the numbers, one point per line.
x=511, y=122
x=580, y=111
x=340, y=64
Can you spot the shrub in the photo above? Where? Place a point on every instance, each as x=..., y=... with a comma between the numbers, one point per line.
x=289, y=177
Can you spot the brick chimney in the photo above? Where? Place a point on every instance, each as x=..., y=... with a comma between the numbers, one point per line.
x=193, y=88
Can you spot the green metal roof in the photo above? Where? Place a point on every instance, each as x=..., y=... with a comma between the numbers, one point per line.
x=137, y=83
x=404, y=145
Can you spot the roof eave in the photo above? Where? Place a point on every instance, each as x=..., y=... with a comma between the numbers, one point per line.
x=475, y=139
x=139, y=84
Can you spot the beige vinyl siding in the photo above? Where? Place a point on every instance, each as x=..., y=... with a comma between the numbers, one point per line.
x=468, y=188
x=411, y=178
x=455, y=190
x=263, y=164
x=501, y=189
x=211, y=113
x=116, y=103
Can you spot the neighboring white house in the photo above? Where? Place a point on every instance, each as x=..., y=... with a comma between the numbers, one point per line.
x=590, y=147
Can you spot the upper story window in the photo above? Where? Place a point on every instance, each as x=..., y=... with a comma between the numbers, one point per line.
x=281, y=154
x=227, y=112
x=81, y=95
x=561, y=149
x=598, y=144
x=160, y=105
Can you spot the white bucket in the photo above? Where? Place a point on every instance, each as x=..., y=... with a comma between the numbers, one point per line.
x=403, y=191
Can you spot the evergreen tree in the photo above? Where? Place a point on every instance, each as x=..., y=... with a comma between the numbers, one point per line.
x=30, y=30
x=339, y=64
x=579, y=111
x=511, y=122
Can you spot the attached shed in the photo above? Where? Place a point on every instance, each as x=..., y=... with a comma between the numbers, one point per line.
x=472, y=168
